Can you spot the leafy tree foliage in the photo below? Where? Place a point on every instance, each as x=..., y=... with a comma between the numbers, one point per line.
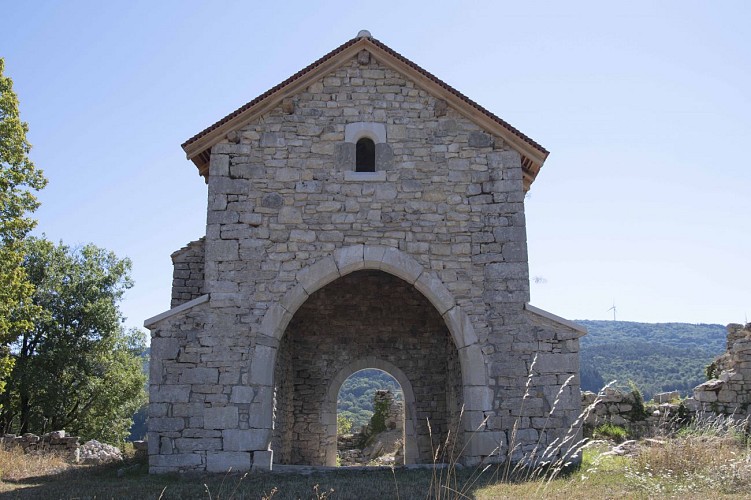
x=356, y=395
x=18, y=176
x=657, y=357
x=76, y=368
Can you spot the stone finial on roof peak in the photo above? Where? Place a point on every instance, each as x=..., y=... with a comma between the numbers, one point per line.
x=363, y=34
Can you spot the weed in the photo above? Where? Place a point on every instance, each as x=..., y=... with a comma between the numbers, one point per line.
x=610, y=431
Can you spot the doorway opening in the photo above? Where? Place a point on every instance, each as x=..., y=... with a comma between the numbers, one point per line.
x=370, y=420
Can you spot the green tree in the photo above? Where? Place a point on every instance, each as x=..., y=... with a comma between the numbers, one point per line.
x=76, y=368
x=18, y=176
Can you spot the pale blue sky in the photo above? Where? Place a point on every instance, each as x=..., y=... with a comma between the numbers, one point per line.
x=645, y=107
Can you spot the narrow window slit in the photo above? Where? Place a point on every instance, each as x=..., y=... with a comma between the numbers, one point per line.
x=365, y=155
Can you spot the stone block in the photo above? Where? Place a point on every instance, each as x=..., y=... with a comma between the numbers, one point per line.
x=263, y=460
x=169, y=393
x=480, y=140
x=344, y=156
x=384, y=157
x=199, y=375
x=225, y=461
x=438, y=295
x=289, y=215
x=275, y=321
x=302, y=236
x=557, y=363
x=294, y=298
x=221, y=417
x=349, y=259
x=472, y=362
x=478, y=398
x=166, y=424
x=164, y=348
x=262, y=365
x=176, y=461
x=222, y=250
x=242, y=394
x=319, y=274
x=219, y=165
x=460, y=327
x=485, y=443
x=401, y=265
x=246, y=439
x=197, y=444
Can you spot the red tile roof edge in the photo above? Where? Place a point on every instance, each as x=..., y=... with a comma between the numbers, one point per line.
x=391, y=52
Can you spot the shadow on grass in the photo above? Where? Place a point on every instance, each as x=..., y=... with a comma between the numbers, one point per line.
x=133, y=481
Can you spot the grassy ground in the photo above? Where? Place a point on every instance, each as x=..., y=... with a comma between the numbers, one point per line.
x=692, y=465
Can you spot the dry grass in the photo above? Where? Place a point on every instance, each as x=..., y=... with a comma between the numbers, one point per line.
x=717, y=467
x=708, y=459
x=15, y=465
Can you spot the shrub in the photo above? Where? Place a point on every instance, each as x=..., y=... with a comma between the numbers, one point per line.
x=610, y=431
x=343, y=425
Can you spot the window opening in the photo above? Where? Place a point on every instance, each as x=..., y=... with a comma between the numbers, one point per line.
x=365, y=155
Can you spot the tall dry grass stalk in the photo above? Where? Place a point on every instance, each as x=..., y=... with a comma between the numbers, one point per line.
x=541, y=463
x=713, y=452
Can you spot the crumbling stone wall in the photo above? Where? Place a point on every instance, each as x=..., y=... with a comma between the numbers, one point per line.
x=187, y=274
x=52, y=442
x=729, y=391
x=393, y=410
x=287, y=215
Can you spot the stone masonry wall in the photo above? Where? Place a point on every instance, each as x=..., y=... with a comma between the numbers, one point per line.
x=282, y=201
x=187, y=275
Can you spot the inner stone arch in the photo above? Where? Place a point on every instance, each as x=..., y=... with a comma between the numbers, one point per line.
x=410, y=413
x=365, y=319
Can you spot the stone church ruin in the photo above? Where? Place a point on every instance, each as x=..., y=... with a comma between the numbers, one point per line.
x=361, y=214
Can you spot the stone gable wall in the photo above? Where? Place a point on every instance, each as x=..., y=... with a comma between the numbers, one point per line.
x=286, y=217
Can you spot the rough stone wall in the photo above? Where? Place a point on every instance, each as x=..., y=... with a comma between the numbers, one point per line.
x=360, y=314
x=729, y=392
x=282, y=200
x=52, y=442
x=394, y=410
x=187, y=274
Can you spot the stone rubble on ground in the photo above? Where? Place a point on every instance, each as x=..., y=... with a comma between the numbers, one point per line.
x=94, y=452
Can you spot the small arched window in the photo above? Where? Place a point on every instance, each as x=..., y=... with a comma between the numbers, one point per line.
x=365, y=155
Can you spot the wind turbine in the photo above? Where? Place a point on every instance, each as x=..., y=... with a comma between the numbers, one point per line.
x=613, y=309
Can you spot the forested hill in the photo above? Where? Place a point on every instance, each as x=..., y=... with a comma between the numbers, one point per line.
x=657, y=357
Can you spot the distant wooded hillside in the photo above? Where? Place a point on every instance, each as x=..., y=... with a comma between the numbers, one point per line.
x=657, y=357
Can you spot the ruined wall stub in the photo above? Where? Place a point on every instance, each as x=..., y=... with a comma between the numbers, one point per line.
x=292, y=229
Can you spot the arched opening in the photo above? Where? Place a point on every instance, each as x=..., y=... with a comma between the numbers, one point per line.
x=365, y=319
x=370, y=420
x=365, y=155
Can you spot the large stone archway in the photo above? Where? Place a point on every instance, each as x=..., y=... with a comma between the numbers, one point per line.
x=475, y=393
